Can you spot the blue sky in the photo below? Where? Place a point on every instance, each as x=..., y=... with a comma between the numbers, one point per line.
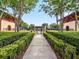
x=38, y=18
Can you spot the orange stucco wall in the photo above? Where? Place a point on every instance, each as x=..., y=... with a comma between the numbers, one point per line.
x=5, y=24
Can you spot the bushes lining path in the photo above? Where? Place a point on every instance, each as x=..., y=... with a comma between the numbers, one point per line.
x=39, y=49
x=13, y=49
x=66, y=51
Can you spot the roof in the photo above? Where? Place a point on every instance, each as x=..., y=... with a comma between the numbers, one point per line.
x=7, y=16
x=38, y=27
x=70, y=17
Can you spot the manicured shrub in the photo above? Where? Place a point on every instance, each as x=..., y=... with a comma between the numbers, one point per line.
x=68, y=37
x=5, y=40
x=6, y=33
x=67, y=51
x=11, y=50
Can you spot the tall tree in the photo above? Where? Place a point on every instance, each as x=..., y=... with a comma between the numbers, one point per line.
x=45, y=25
x=3, y=7
x=54, y=26
x=4, y=4
x=51, y=10
x=32, y=26
x=20, y=7
x=58, y=7
x=23, y=25
x=74, y=7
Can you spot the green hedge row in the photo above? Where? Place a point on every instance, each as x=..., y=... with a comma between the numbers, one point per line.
x=68, y=38
x=12, y=50
x=5, y=40
x=65, y=50
x=6, y=33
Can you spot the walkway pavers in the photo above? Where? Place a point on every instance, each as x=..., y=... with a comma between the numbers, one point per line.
x=39, y=49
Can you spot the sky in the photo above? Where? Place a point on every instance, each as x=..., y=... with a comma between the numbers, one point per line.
x=38, y=18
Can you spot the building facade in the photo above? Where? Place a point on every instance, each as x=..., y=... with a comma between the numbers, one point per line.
x=39, y=29
x=7, y=22
x=69, y=22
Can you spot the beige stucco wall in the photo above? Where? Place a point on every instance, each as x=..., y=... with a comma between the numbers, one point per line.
x=4, y=25
x=71, y=25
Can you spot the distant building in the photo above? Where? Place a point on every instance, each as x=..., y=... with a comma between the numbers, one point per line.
x=39, y=29
x=7, y=22
x=69, y=22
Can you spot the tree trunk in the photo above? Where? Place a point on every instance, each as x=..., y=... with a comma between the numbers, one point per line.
x=57, y=21
x=76, y=19
x=20, y=10
x=61, y=9
x=61, y=20
x=17, y=24
x=15, y=20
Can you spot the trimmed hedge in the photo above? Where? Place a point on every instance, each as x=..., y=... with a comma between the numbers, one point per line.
x=6, y=33
x=12, y=50
x=71, y=38
x=5, y=40
x=67, y=51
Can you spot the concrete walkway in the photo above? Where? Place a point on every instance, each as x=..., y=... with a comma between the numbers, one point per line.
x=39, y=49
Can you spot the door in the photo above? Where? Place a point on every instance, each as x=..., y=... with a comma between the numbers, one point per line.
x=67, y=28
x=9, y=27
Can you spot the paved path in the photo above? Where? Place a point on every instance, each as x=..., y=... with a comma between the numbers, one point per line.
x=39, y=49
